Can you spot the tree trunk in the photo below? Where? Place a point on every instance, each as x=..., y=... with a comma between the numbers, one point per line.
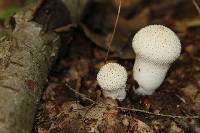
x=26, y=54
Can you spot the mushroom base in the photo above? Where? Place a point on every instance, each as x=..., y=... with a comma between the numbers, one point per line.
x=148, y=75
x=142, y=91
x=119, y=94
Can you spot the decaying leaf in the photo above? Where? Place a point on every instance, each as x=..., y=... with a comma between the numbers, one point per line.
x=183, y=25
x=126, y=4
x=193, y=94
x=175, y=129
x=99, y=32
x=120, y=49
x=67, y=111
x=76, y=8
x=138, y=126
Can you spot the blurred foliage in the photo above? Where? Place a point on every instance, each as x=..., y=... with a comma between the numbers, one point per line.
x=28, y=1
x=10, y=9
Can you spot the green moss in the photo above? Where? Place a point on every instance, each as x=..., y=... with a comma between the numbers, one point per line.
x=8, y=12
x=29, y=2
x=11, y=10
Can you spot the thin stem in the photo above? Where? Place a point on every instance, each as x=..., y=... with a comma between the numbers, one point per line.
x=196, y=5
x=114, y=31
x=133, y=109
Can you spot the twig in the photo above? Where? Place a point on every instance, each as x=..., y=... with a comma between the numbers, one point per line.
x=161, y=115
x=65, y=28
x=83, y=96
x=196, y=5
x=133, y=109
x=114, y=31
x=80, y=94
x=180, y=98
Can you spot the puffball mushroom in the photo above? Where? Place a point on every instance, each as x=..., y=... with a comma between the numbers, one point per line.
x=156, y=48
x=112, y=79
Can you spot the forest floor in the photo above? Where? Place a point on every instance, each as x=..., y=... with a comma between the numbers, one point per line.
x=82, y=55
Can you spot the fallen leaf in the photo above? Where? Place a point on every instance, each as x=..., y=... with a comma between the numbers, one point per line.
x=120, y=49
x=175, y=129
x=138, y=126
x=75, y=8
x=99, y=32
x=193, y=95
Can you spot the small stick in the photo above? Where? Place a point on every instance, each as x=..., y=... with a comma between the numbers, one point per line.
x=65, y=28
x=80, y=94
x=114, y=31
x=132, y=109
x=161, y=115
x=196, y=5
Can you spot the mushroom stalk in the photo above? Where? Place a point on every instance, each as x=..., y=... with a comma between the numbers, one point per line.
x=148, y=75
x=119, y=94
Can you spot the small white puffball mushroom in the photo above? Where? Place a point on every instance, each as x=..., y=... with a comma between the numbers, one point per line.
x=112, y=79
x=156, y=48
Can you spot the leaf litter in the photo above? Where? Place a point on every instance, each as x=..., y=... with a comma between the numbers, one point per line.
x=65, y=110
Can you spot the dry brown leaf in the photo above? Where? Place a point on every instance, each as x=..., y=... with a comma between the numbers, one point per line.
x=192, y=93
x=135, y=23
x=184, y=25
x=119, y=47
x=126, y=3
x=75, y=8
x=138, y=126
x=175, y=129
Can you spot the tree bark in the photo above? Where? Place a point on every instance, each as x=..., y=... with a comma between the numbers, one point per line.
x=26, y=54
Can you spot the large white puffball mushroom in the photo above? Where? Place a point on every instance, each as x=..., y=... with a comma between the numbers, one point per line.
x=112, y=79
x=156, y=48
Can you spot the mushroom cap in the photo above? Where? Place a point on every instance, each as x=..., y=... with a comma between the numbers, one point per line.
x=112, y=76
x=157, y=43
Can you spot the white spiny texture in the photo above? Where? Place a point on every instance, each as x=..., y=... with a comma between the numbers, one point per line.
x=112, y=79
x=156, y=48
